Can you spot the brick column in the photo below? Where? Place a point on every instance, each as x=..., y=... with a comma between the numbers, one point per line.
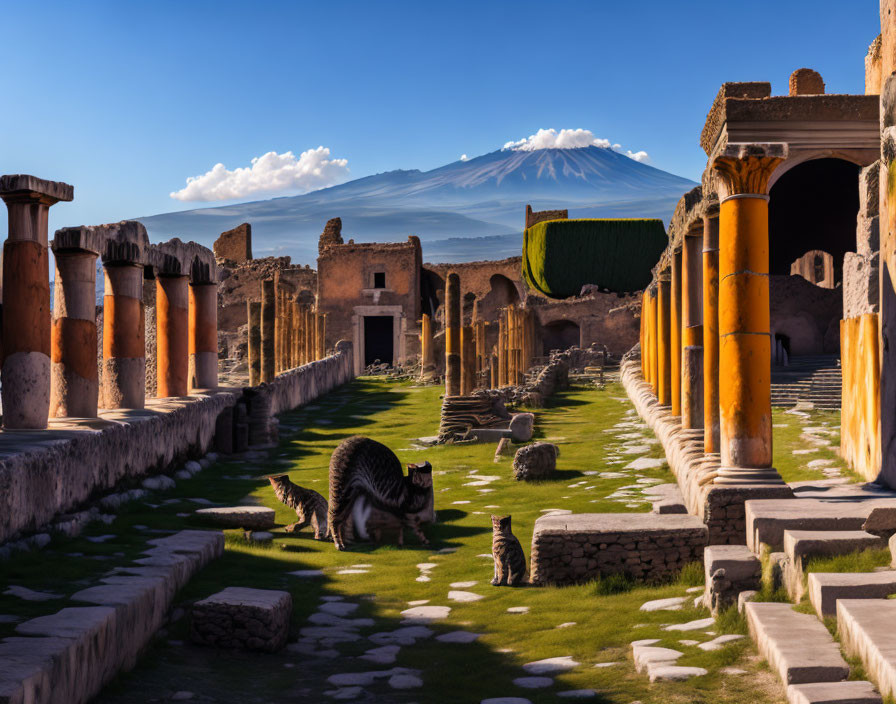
x=124, y=347
x=172, y=335
x=452, y=335
x=267, y=330
x=744, y=326
x=26, y=299
x=254, y=314
x=74, y=377
x=203, y=336
x=692, y=330
x=711, y=437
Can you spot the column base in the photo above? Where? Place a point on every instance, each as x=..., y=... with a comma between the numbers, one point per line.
x=747, y=475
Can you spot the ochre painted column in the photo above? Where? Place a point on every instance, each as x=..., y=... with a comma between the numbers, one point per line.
x=427, y=355
x=26, y=299
x=675, y=334
x=74, y=378
x=452, y=335
x=124, y=334
x=254, y=314
x=203, y=336
x=744, y=326
x=652, y=372
x=172, y=335
x=711, y=437
x=692, y=330
x=664, y=340
x=267, y=330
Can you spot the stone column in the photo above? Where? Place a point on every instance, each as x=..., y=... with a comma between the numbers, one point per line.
x=322, y=335
x=124, y=347
x=652, y=371
x=26, y=299
x=711, y=438
x=427, y=354
x=172, y=335
x=692, y=330
x=664, y=340
x=74, y=377
x=452, y=335
x=468, y=361
x=203, y=338
x=675, y=345
x=744, y=326
x=254, y=314
x=267, y=330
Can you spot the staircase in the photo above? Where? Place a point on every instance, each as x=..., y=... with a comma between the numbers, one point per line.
x=814, y=378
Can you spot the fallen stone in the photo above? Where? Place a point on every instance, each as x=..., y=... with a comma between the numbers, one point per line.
x=522, y=426
x=536, y=461
x=720, y=641
x=674, y=673
x=425, y=614
x=698, y=625
x=533, y=682
x=671, y=604
x=551, y=665
x=463, y=596
x=458, y=637
x=240, y=617
x=518, y=610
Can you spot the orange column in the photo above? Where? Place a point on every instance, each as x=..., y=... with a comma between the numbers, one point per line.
x=452, y=335
x=172, y=336
x=652, y=300
x=203, y=336
x=664, y=340
x=711, y=440
x=744, y=326
x=26, y=299
x=692, y=331
x=675, y=334
x=124, y=334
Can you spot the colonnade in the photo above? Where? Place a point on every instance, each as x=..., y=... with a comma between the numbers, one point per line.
x=283, y=333
x=50, y=366
x=708, y=310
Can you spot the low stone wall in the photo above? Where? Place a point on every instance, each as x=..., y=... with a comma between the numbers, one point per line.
x=70, y=655
x=296, y=387
x=577, y=548
x=720, y=507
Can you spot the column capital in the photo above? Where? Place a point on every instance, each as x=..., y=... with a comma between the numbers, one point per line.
x=22, y=188
x=745, y=169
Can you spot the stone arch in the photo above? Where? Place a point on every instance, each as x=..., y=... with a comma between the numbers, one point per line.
x=560, y=335
x=502, y=293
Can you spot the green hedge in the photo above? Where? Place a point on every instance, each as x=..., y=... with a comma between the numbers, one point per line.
x=561, y=256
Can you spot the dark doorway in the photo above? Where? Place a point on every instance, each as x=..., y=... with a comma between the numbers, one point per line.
x=560, y=335
x=378, y=340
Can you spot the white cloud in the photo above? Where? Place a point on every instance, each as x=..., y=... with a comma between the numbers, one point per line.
x=464, y=157
x=570, y=139
x=269, y=173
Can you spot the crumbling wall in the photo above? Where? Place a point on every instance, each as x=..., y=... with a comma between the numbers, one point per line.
x=477, y=280
x=607, y=319
x=533, y=217
x=807, y=315
x=816, y=267
x=234, y=246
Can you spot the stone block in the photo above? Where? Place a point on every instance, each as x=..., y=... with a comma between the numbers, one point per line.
x=245, y=517
x=235, y=245
x=728, y=571
x=854, y=692
x=522, y=426
x=537, y=461
x=860, y=284
x=869, y=192
x=826, y=588
x=243, y=618
x=865, y=627
x=805, y=81
x=800, y=545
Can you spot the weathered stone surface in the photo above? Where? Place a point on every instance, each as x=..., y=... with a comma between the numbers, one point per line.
x=860, y=284
x=567, y=549
x=797, y=646
x=244, y=618
x=23, y=183
x=826, y=588
x=805, y=81
x=853, y=692
x=234, y=245
x=865, y=630
x=246, y=517
x=522, y=426
x=801, y=545
x=536, y=461
x=728, y=570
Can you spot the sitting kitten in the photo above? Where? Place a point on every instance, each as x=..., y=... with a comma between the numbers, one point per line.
x=510, y=561
x=366, y=475
x=310, y=506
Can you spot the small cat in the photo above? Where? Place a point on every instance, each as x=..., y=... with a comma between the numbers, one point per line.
x=310, y=506
x=510, y=561
x=366, y=475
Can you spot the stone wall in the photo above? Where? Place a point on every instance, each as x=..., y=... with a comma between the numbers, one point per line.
x=816, y=267
x=808, y=315
x=302, y=385
x=581, y=547
x=533, y=217
x=488, y=282
x=609, y=319
x=234, y=246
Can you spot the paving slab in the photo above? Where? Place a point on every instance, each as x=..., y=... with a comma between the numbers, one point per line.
x=797, y=646
x=855, y=692
x=826, y=588
x=866, y=630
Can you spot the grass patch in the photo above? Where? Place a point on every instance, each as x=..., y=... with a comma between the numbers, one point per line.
x=864, y=561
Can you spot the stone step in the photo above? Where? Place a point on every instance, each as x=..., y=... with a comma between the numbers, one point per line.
x=742, y=572
x=767, y=519
x=797, y=646
x=867, y=630
x=826, y=588
x=801, y=545
x=854, y=692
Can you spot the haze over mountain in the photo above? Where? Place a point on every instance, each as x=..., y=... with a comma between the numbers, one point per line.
x=463, y=211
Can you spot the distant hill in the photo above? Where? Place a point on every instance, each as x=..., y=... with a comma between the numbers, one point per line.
x=463, y=211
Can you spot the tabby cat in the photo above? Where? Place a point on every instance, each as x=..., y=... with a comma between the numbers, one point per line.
x=310, y=506
x=366, y=475
x=510, y=562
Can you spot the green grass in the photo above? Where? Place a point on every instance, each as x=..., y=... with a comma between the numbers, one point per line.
x=788, y=436
x=864, y=561
x=605, y=613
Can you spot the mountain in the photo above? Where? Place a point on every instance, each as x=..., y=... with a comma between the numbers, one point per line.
x=462, y=211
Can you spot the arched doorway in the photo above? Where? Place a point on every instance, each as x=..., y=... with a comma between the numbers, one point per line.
x=560, y=335
x=502, y=293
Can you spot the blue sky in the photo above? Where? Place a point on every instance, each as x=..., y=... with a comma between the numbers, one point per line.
x=126, y=100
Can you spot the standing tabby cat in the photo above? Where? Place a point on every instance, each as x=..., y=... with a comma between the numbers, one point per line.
x=510, y=561
x=366, y=475
x=310, y=506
